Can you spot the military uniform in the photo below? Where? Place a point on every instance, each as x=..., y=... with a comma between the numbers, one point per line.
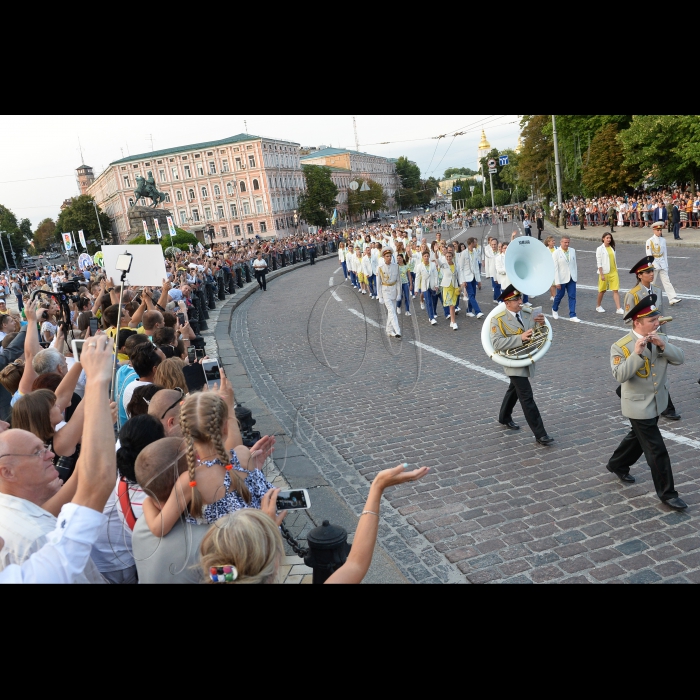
x=388, y=289
x=611, y=218
x=506, y=334
x=582, y=217
x=644, y=398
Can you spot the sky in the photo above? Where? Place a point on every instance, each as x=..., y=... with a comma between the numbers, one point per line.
x=40, y=153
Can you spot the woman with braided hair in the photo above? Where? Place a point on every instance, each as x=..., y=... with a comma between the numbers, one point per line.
x=220, y=479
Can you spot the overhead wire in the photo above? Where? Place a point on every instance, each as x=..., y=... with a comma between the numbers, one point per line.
x=30, y=179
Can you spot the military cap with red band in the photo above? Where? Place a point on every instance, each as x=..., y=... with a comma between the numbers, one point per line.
x=645, y=309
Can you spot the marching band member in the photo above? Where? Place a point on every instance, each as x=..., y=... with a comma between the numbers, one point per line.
x=426, y=283
x=388, y=288
x=509, y=328
x=639, y=361
x=644, y=270
x=656, y=246
x=565, y=276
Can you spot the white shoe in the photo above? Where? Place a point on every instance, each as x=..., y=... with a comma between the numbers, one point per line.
x=413, y=297
x=457, y=308
x=620, y=311
x=675, y=301
x=575, y=319
x=600, y=309
x=408, y=313
x=454, y=326
x=422, y=306
x=433, y=322
x=554, y=314
x=470, y=314
x=551, y=298
x=479, y=315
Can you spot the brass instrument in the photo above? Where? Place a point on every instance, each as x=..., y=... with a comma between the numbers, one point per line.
x=540, y=335
x=665, y=319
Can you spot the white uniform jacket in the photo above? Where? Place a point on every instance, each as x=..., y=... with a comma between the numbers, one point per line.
x=602, y=259
x=656, y=246
x=564, y=269
x=426, y=277
x=388, y=282
x=468, y=270
x=490, y=263
x=502, y=278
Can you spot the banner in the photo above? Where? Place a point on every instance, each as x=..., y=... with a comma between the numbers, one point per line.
x=67, y=241
x=145, y=230
x=99, y=258
x=84, y=261
x=171, y=227
x=81, y=236
x=156, y=223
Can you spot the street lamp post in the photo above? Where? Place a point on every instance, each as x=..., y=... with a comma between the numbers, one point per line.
x=14, y=259
x=97, y=214
x=7, y=267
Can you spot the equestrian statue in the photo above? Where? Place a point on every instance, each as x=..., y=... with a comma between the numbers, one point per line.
x=147, y=188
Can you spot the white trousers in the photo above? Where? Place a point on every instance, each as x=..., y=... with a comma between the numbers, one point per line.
x=392, y=320
x=668, y=287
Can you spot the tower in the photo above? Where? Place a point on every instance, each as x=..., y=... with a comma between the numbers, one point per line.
x=519, y=147
x=85, y=178
x=484, y=147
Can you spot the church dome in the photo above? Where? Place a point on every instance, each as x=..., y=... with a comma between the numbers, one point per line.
x=484, y=144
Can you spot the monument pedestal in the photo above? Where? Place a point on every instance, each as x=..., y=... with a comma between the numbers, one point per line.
x=138, y=214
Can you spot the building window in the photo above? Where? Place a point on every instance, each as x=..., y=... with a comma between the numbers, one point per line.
x=251, y=161
x=167, y=196
x=241, y=187
x=131, y=202
x=212, y=167
x=200, y=169
x=246, y=207
x=250, y=148
x=197, y=155
x=178, y=194
x=224, y=166
x=277, y=224
x=237, y=231
x=229, y=188
x=249, y=229
x=207, y=213
x=127, y=182
x=204, y=192
x=136, y=166
x=220, y=211
x=263, y=227
x=162, y=175
x=234, y=211
x=188, y=172
x=224, y=232
x=238, y=163
x=175, y=175
x=256, y=184
x=195, y=214
x=217, y=190
x=183, y=216
x=259, y=206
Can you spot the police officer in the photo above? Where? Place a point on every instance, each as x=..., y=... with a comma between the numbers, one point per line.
x=644, y=270
x=582, y=216
x=611, y=217
x=639, y=362
x=509, y=329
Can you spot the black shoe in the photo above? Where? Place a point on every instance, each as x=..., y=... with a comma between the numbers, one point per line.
x=625, y=478
x=671, y=415
x=545, y=440
x=511, y=425
x=676, y=503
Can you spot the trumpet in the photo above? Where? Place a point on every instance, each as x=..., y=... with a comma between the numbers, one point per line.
x=665, y=319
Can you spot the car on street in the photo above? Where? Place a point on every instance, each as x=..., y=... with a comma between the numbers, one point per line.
x=404, y=211
x=374, y=220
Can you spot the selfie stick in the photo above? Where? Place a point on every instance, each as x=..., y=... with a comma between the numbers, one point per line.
x=124, y=266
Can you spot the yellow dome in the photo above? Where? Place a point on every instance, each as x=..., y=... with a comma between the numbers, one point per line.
x=484, y=143
x=519, y=147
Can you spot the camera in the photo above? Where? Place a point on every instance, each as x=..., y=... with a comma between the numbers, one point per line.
x=71, y=289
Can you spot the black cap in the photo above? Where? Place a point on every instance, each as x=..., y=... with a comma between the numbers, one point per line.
x=645, y=308
x=510, y=292
x=646, y=263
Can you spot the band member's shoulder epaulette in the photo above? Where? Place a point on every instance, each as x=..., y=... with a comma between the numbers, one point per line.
x=623, y=341
x=636, y=289
x=500, y=314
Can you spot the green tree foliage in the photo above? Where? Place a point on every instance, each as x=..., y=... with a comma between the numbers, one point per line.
x=665, y=148
x=605, y=172
x=44, y=235
x=405, y=199
x=79, y=215
x=360, y=203
x=408, y=172
x=458, y=171
x=9, y=226
x=501, y=197
x=464, y=192
x=182, y=240
x=536, y=158
x=317, y=202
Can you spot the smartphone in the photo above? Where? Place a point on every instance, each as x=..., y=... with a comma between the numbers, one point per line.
x=181, y=318
x=293, y=499
x=77, y=347
x=212, y=371
x=191, y=356
x=94, y=326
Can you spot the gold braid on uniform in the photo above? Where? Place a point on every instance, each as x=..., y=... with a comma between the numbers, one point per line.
x=385, y=278
x=503, y=326
x=647, y=367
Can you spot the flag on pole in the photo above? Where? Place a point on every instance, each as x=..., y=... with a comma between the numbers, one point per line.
x=81, y=236
x=171, y=227
x=67, y=241
x=156, y=223
x=145, y=230
x=334, y=218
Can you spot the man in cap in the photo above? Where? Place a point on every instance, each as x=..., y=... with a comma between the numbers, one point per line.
x=656, y=246
x=644, y=270
x=388, y=288
x=639, y=362
x=509, y=329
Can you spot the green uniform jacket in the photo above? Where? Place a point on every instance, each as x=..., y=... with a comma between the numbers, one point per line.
x=643, y=377
x=505, y=334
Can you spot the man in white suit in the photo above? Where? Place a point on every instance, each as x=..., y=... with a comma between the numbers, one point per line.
x=656, y=246
x=388, y=288
x=565, y=276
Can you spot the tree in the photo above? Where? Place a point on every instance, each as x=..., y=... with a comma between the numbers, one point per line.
x=458, y=171
x=79, y=215
x=182, y=240
x=44, y=235
x=501, y=197
x=360, y=203
x=317, y=202
x=665, y=148
x=605, y=172
x=536, y=158
x=408, y=172
x=11, y=234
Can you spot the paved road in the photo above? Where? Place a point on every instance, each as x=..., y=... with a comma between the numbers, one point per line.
x=496, y=506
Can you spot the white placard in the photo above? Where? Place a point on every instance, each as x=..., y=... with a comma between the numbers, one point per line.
x=147, y=266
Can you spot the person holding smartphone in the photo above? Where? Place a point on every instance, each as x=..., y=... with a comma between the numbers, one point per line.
x=260, y=269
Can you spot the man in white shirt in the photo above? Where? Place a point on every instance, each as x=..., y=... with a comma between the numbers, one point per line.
x=470, y=277
x=656, y=246
x=388, y=288
x=565, y=276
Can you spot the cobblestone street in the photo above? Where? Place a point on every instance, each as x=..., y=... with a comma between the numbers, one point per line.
x=496, y=507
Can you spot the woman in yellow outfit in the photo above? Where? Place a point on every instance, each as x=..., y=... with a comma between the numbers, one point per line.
x=608, y=278
x=449, y=283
